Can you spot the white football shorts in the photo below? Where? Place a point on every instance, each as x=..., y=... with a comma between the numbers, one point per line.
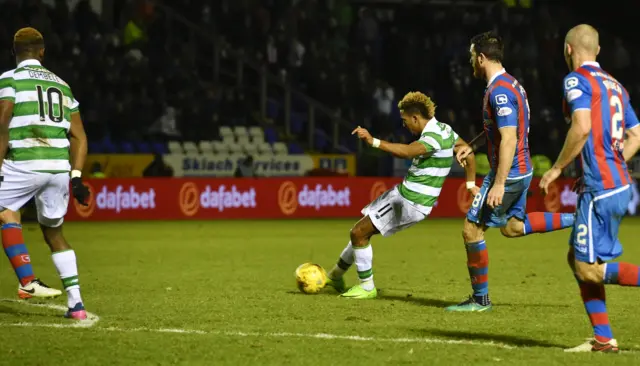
x=391, y=213
x=51, y=192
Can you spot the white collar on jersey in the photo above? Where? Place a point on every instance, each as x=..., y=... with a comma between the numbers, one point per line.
x=590, y=63
x=495, y=76
x=433, y=119
x=29, y=62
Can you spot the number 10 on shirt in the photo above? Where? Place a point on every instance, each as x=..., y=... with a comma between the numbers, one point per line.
x=55, y=114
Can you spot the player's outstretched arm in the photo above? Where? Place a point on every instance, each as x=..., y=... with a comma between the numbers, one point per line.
x=6, y=112
x=403, y=151
x=78, y=142
x=632, y=143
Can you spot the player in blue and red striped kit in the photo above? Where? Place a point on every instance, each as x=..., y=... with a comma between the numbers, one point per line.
x=600, y=114
x=502, y=199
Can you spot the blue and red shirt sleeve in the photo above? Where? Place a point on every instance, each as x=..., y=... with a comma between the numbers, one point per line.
x=504, y=104
x=577, y=92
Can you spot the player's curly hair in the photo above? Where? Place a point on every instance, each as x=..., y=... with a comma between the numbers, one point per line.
x=489, y=44
x=417, y=103
x=27, y=40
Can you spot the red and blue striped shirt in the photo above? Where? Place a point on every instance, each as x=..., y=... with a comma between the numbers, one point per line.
x=601, y=160
x=506, y=105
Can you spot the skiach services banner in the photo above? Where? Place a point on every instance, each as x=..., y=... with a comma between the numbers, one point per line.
x=222, y=165
x=272, y=198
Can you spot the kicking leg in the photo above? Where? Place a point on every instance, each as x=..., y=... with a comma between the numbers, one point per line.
x=387, y=215
x=345, y=261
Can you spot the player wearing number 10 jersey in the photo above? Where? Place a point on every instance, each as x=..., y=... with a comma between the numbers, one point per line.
x=40, y=132
x=600, y=114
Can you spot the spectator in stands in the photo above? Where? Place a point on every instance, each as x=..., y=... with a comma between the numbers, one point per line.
x=272, y=54
x=166, y=126
x=384, y=96
x=158, y=168
x=245, y=168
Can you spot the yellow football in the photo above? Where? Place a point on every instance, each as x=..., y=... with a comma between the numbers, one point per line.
x=310, y=278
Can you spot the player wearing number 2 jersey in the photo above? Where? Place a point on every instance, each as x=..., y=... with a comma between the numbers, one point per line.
x=600, y=114
x=40, y=132
x=601, y=160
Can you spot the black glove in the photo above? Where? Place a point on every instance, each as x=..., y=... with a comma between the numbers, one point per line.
x=80, y=191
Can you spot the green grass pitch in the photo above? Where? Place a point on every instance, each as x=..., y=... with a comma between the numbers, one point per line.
x=223, y=293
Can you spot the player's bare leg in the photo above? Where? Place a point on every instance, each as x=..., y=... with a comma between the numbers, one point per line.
x=513, y=229
x=64, y=259
x=16, y=251
x=478, y=266
x=537, y=222
x=362, y=254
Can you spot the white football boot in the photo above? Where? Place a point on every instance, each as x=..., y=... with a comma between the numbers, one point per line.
x=591, y=345
x=37, y=288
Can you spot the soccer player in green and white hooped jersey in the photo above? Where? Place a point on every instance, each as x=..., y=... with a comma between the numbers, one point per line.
x=411, y=201
x=41, y=140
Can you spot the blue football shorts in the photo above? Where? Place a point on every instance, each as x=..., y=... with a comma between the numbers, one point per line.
x=514, y=202
x=598, y=215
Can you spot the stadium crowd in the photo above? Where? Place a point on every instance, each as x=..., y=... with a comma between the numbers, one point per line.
x=137, y=80
x=362, y=58
x=131, y=85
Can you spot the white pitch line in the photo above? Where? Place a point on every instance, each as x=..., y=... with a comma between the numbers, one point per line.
x=312, y=335
x=373, y=339
x=157, y=330
x=91, y=320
